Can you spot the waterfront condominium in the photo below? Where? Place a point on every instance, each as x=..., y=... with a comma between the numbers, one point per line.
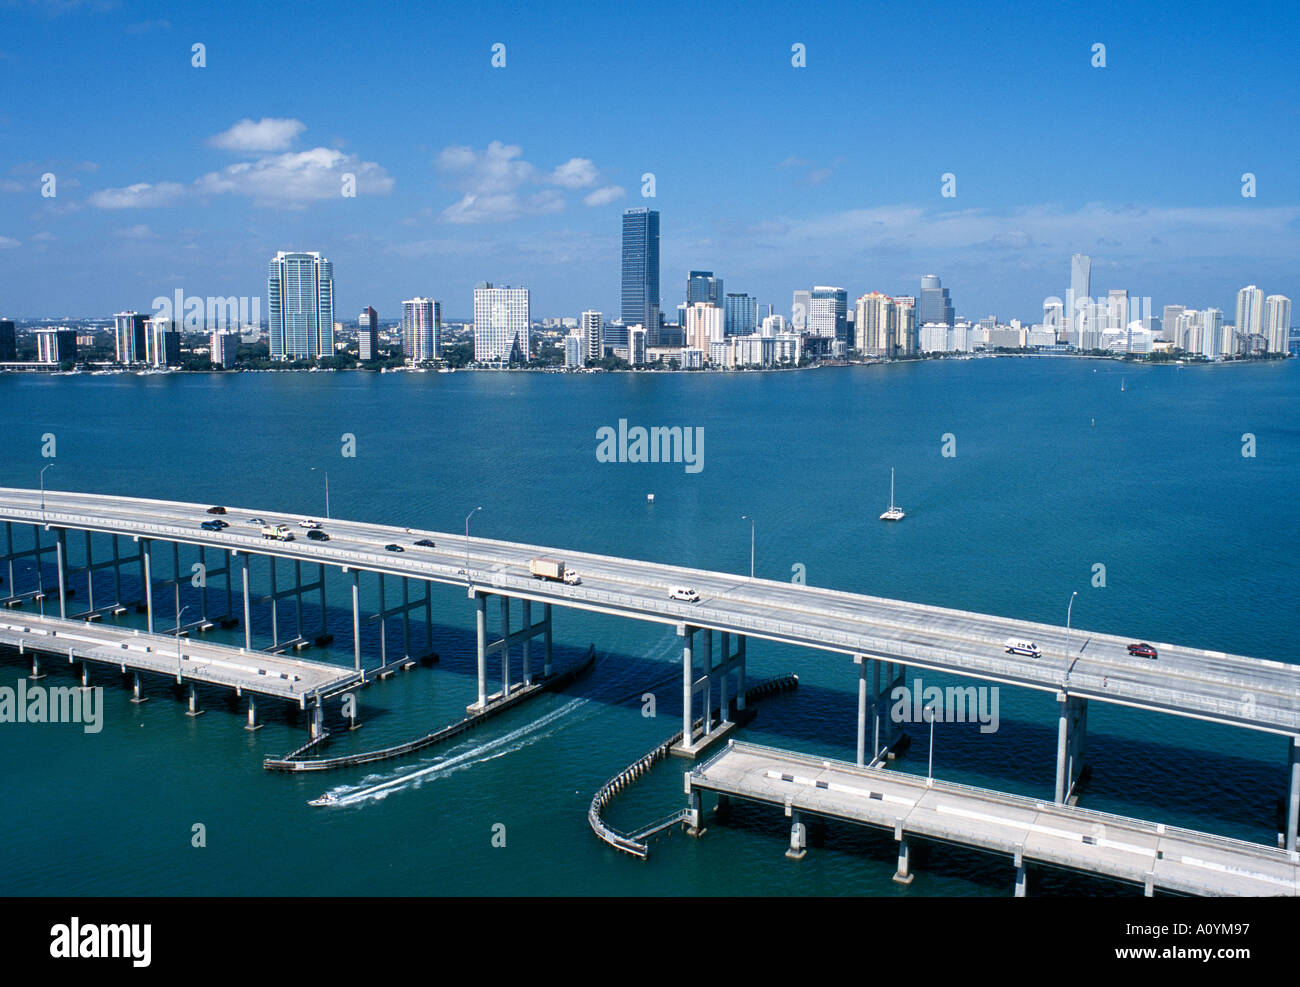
x=1080, y=292
x=1277, y=322
x=421, y=330
x=828, y=312
x=641, y=268
x=1250, y=311
x=875, y=325
x=368, y=334
x=130, y=337
x=500, y=323
x=593, y=332
x=300, y=304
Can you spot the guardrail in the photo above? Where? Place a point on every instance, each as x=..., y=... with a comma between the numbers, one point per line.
x=632, y=843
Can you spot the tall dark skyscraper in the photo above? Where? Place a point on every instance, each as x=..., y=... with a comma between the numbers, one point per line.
x=8, y=342
x=641, y=268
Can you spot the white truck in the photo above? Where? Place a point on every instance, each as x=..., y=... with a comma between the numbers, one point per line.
x=280, y=532
x=554, y=570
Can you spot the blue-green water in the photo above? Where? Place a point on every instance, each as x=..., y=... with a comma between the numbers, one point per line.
x=1056, y=469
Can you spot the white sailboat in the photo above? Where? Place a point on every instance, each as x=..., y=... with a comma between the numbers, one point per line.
x=894, y=513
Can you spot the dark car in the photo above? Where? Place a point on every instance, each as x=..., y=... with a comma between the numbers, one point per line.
x=1142, y=650
x=220, y=523
x=216, y=510
x=210, y=525
x=425, y=543
x=315, y=534
x=394, y=548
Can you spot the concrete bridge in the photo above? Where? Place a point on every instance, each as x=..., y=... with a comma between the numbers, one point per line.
x=882, y=636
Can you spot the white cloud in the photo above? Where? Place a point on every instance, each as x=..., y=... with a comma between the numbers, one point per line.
x=498, y=208
x=575, y=173
x=294, y=179
x=604, y=196
x=139, y=231
x=8, y=243
x=142, y=195
x=253, y=136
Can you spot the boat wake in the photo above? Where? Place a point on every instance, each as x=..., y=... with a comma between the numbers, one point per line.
x=490, y=750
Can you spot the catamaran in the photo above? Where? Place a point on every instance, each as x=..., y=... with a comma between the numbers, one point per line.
x=894, y=513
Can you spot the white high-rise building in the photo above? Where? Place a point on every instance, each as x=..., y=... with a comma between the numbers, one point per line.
x=575, y=350
x=421, y=330
x=1117, y=308
x=593, y=331
x=500, y=323
x=300, y=306
x=704, y=325
x=130, y=337
x=223, y=348
x=1277, y=322
x=162, y=343
x=1169, y=325
x=1214, y=341
x=1250, y=311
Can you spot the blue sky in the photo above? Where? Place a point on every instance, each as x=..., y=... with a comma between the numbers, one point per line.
x=774, y=177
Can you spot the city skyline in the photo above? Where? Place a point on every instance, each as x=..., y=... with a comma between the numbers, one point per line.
x=491, y=193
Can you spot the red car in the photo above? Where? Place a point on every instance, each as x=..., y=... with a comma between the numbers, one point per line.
x=1142, y=650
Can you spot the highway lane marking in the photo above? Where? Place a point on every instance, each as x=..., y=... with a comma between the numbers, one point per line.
x=835, y=786
x=1238, y=871
x=1087, y=839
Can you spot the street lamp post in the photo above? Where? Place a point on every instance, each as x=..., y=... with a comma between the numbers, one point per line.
x=1068, y=611
x=43, y=469
x=467, y=517
x=929, y=771
x=746, y=517
x=327, y=489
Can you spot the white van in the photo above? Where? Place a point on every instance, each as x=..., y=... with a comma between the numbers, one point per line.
x=684, y=593
x=1015, y=646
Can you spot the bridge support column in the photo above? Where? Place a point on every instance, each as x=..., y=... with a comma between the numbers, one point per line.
x=36, y=668
x=505, y=646
x=1071, y=737
x=317, y=723
x=90, y=577
x=724, y=711
x=428, y=614
x=904, y=874
x=230, y=591
x=297, y=587
x=406, y=618
x=1020, y=881
x=694, y=814
x=546, y=638
x=252, y=723
x=527, y=645
x=275, y=603
x=356, y=620
x=383, y=628
x=740, y=671
x=61, y=564
x=798, y=837
x=85, y=673
x=1293, y=801
x=146, y=567
x=117, y=575
x=193, y=709
x=9, y=557
x=135, y=690
x=687, y=633
x=707, y=714
x=480, y=626
x=862, y=661
x=248, y=622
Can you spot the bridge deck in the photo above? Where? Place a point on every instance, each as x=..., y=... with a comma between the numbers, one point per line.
x=1255, y=693
x=1129, y=850
x=200, y=661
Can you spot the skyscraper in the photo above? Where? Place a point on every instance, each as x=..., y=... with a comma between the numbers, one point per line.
x=828, y=309
x=300, y=304
x=162, y=343
x=130, y=337
x=905, y=341
x=799, y=310
x=1277, y=322
x=935, y=306
x=500, y=323
x=641, y=268
x=704, y=325
x=1170, y=323
x=702, y=286
x=368, y=334
x=875, y=325
x=1250, y=314
x=593, y=330
x=1214, y=341
x=8, y=341
x=421, y=330
x=740, y=315
x=1117, y=308
x=1080, y=292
